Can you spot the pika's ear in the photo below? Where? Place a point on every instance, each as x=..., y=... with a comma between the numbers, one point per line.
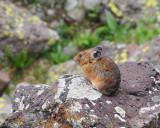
x=98, y=48
x=96, y=54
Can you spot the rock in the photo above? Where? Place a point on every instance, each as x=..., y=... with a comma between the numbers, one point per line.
x=134, y=77
x=72, y=102
x=88, y=4
x=131, y=11
x=70, y=50
x=69, y=67
x=4, y=81
x=147, y=52
x=50, y=12
x=22, y=30
x=71, y=4
x=5, y=108
x=77, y=14
x=109, y=49
x=22, y=84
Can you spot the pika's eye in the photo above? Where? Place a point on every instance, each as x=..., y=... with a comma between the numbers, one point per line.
x=80, y=55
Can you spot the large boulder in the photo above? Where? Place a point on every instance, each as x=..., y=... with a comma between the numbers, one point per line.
x=72, y=102
x=21, y=30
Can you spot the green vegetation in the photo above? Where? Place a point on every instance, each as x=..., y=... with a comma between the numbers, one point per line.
x=86, y=39
x=144, y=32
x=112, y=31
x=65, y=32
x=56, y=54
x=93, y=13
x=35, y=2
x=61, y=2
x=19, y=61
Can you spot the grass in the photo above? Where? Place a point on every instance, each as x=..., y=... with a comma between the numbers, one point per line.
x=56, y=54
x=93, y=13
x=19, y=61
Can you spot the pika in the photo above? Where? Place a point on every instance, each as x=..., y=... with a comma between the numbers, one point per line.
x=101, y=71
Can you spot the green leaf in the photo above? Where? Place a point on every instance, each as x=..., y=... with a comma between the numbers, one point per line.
x=112, y=24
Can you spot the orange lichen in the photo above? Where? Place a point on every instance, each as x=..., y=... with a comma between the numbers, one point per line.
x=78, y=118
x=20, y=122
x=41, y=121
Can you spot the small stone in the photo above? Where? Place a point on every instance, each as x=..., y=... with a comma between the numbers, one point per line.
x=156, y=98
x=50, y=12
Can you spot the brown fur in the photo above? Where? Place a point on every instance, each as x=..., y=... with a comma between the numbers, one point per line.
x=103, y=73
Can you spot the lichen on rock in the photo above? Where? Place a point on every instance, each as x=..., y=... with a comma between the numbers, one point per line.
x=72, y=102
x=20, y=29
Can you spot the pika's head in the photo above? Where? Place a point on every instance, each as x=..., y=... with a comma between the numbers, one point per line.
x=88, y=56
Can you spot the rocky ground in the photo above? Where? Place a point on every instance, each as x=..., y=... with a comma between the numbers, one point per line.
x=69, y=100
x=72, y=102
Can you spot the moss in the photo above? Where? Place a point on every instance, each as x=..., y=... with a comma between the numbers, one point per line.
x=141, y=59
x=158, y=13
x=53, y=76
x=2, y=105
x=7, y=27
x=8, y=10
x=50, y=41
x=34, y=19
x=114, y=8
x=8, y=21
x=20, y=34
x=123, y=56
x=24, y=14
x=21, y=25
x=145, y=49
x=74, y=72
x=25, y=42
x=1, y=99
x=16, y=20
x=116, y=58
x=5, y=32
x=150, y=3
x=11, y=35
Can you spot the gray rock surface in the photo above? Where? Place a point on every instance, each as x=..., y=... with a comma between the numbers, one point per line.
x=4, y=81
x=148, y=52
x=71, y=102
x=22, y=30
x=5, y=107
x=75, y=10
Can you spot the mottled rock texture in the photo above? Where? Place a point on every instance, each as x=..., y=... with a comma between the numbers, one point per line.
x=19, y=30
x=148, y=52
x=5, y=108
x=76, y=10
x=71, y=102
x=4, y=81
